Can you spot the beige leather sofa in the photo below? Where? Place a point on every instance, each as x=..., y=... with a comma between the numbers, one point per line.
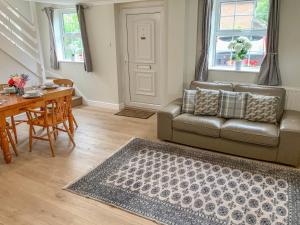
x=270, y=142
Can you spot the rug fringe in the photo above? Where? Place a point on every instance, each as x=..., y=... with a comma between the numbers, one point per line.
x=90, y=170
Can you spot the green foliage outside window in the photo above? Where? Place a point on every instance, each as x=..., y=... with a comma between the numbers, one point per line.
x=71, y=24
x=262, y=11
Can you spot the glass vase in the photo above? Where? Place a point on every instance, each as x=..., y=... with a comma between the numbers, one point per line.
x=238, y=65
x=19, y=91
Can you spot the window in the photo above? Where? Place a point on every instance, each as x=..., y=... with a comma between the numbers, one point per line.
x=238, y=18
x=68, y=37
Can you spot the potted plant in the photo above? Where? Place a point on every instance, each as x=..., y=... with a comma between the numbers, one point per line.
x=18, y=81
x=240, y=48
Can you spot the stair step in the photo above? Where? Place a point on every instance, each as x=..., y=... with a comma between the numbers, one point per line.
x=76, y=101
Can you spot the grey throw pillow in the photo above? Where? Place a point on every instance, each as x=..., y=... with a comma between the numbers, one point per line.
x=233, y=104
x=188, y=103
x=206, y=102
x=261, y=108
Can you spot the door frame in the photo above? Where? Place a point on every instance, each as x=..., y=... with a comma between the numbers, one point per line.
x=140, y=8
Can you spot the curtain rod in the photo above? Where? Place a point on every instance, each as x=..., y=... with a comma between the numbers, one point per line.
x=85, y=7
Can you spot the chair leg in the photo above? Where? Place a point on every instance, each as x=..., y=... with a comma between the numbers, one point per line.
x=30, y=137
x=69, y=133
x=54, y=132
x=29, y=117
x=50, y=141
x=75, y=122
x=11, y=141
x=14, y=129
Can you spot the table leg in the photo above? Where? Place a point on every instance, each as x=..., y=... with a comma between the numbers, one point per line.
x=71, y=122
x=4, y=141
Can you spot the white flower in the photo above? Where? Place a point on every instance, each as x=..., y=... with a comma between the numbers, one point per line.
x=231, y=45
x=238, y=48
x=247, y=45
x=243, y=39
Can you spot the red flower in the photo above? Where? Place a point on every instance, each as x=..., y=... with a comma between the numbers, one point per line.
x=252, y=62
x=11, y=82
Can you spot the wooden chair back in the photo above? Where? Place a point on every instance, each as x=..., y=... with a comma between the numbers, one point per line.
x=64, y=83
x=60, y=108
x=2, y=86
x=54, y=111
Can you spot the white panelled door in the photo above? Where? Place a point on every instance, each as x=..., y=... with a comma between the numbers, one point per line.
x=145, y=80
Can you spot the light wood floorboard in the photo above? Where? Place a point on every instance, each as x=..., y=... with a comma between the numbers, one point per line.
x=31, y=186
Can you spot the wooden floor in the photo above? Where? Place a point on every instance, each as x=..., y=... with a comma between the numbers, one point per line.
x=31, y=186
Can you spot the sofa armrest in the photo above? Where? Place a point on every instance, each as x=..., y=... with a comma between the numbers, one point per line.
x=290, y=122
x=289, y=151
x=165, y=119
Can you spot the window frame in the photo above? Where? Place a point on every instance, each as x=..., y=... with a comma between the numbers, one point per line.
x=60, y=34
x=216, y=31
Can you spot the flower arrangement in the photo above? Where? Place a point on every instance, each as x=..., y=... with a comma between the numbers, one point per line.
x=18, y=81
x=240, y=48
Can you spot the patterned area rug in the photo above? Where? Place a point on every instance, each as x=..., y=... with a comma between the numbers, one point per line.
x=135, y=113
x=172, y=185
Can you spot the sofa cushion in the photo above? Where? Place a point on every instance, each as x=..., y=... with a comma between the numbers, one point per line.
x=188, y=101
x=204, y=125
x=206, y=102
x=261, y=108
x=265, y=90
x=233, y=104
x=212, y=85
x=251, y=132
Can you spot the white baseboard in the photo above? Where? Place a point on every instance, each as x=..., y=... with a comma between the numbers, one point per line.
x=105, y=105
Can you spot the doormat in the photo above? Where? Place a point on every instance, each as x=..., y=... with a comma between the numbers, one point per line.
x=135, y=113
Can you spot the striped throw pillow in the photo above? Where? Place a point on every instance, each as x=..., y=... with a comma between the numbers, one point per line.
x=233, y=104
x=188, y=104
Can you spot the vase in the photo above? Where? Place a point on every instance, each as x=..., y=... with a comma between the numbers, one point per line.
x=238, y=65
x=19, y=91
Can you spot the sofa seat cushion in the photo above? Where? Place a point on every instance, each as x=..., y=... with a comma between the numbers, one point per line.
x=204, y=125
x=251, y=132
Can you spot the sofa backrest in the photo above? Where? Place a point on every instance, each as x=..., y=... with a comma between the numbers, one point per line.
x=212, y=85
x=265, y=90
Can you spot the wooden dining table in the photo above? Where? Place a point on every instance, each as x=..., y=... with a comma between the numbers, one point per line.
x=14, y=105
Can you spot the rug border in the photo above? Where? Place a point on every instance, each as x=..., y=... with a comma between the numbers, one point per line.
x=193, y=150
x=94, y=167
x=65, y=188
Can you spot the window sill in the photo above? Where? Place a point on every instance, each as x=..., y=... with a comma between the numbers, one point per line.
x=69, y=61
x=243, y=70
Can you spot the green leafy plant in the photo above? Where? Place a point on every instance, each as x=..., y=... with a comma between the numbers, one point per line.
x=262, y=11
x=240, y=48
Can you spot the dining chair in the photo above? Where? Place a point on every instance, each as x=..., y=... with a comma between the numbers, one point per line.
x=66, y=83
x=50, y=120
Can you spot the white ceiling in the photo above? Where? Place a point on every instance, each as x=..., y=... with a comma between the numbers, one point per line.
x=88, y=2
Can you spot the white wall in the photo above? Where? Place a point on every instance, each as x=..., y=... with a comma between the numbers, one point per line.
x=102, y=84
x=176, y=46
x=191, y=23
x=289, y=46
x=9, y=66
